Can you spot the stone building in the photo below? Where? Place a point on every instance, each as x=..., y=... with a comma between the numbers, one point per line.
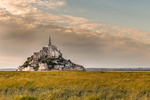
x=29, y=68
x=59, y=67
x=43, y=67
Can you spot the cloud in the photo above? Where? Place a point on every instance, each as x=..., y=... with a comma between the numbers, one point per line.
x=50, y=3
x=80, y=39
x=91, y=26
x=27, y=34
x=26, y=6
x=74, y=20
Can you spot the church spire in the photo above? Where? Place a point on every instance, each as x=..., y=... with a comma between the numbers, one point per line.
x=50, y=40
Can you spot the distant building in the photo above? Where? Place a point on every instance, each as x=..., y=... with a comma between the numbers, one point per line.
x=29, y=68
x=20, y=68
x=43, y=67
x=58, y=67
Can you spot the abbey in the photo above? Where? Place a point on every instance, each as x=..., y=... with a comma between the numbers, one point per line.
x=48, y=52
x=49, y=58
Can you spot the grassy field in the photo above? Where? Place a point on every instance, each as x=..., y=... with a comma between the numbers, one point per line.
x=63, y=85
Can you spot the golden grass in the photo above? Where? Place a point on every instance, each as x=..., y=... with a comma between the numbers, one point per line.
x=63, y=85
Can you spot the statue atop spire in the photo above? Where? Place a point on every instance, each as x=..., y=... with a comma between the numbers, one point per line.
x=50, y=43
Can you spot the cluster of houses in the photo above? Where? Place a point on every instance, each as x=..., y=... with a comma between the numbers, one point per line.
x=45, y=67
x=51, y=52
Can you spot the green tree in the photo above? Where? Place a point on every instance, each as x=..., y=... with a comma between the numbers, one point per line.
x=36, y=67
x=26, y=64
x=43, y=61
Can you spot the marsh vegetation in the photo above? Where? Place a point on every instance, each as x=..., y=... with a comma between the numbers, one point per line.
x=63, y=85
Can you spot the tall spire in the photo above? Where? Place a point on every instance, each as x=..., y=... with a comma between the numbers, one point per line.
x=50, y=40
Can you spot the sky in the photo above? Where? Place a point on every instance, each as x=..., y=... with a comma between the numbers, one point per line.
x=92, y=33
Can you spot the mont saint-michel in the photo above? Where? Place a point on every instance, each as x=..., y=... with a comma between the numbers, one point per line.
x=47, y=59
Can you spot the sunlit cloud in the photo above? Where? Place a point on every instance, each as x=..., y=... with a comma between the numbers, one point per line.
x=26, y=6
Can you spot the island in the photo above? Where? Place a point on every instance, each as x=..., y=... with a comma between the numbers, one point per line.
x=48, y=59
